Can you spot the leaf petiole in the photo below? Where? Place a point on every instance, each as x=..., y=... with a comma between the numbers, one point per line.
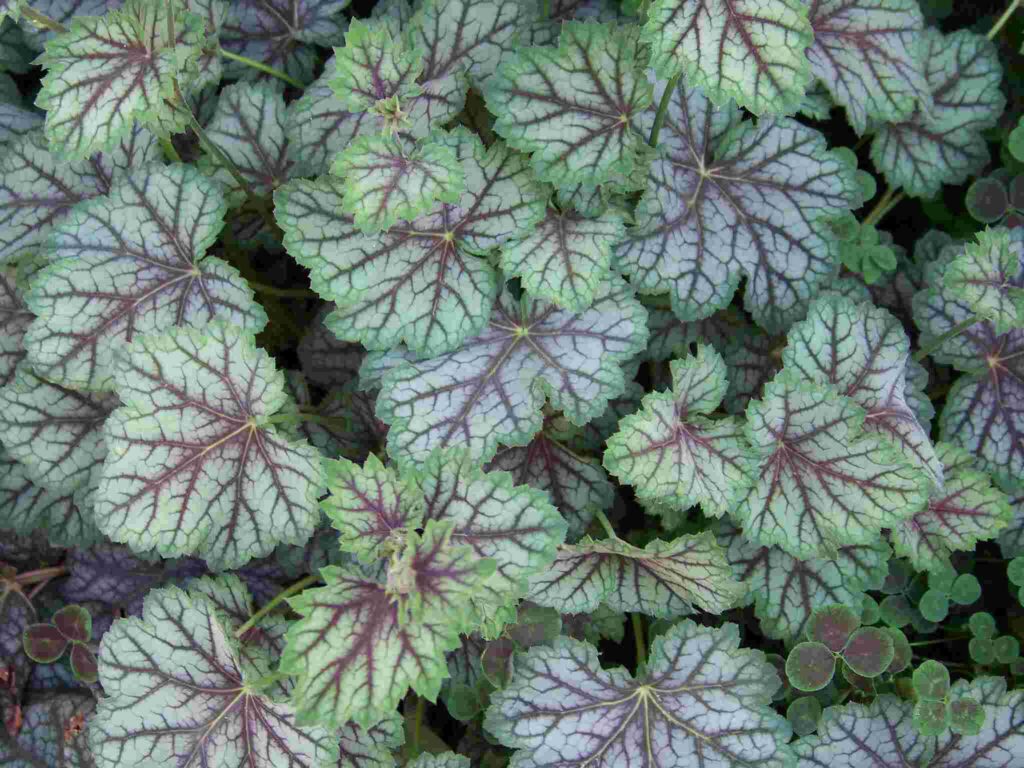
x=41, y=20
x=42, y=574
x=641, y=644
x=264, y=68
x=606, y=524
x=1001, y=21
x=659, y=117
x=276, y=600
x=953, y=332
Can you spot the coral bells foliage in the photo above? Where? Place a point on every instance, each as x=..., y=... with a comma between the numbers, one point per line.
x=539, y=384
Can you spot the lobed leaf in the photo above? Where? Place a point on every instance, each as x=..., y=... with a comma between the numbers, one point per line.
x=822, y=482
x=671, y=451
x=942, y=143
x=423, y=283
x=107, y=72
x=195, y=465
x=374, y=66
x=15, y=319
x=129, y=263
x=180, y=688
x=491, y=390
x=664, y=579
x=983, y=276
x=387, y=181
x=867, y=54
x=700, y=698
x=728, y=199
x=573, y=106
x=748, y=51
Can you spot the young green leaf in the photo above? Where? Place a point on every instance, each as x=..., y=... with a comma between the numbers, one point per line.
x=729, y=199
x=248, y=127
x=491, y=390
x=942, y=143
x=129, y=263
x=195, y=465
x=748, y=51
x=567, y=258
x=318, y=126
x=672, y=451
x=674, y=711
x=664, y=579
x=38, y=187
x=107, y=72
x=361, y=644
x=179, y=688
x=371, y=747
x=373, y=66
x=803, y=714
x=862, y=351
x=786, y=591
x=822, y=482
x=866, y=53
x=965, y=510
x=387, y=180
x=574, y=107
x=56, y=433
x=380, y=281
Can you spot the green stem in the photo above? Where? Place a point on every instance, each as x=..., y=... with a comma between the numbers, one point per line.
x=276, y=600
x=169, y=151
x=606, y=524
x=216, y=151
x=1001, y=21
x=545, y=9
x=888, y=201
x=638, y=635
x=41, y=574
x=662, y=113
x=952, y=639
x=315, y=418
x=417, y=726
x=286, y=293
x=264, y=68
x=41, y=20
x=953, y=332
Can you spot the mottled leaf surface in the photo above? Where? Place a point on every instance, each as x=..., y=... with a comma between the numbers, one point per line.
x=728, y=199
x=423, y=283
x=387, y=181
x=670, y=451
x=107, y=72
x=248, y=126
x=566, y=258
x=943, y=143
x=37, y=187
x=863, y=352
x=576, y=485
x=195, y=465
x=361, y=644
x=965, y=510
x=129, y=263
x=52, y=734
x=786, y=591
x=823, y=481
x=179, y=690
x=15, y=319
x=573, y=107
x=701, y=697
x=56, y=433
x=982, y=276
x=867, y=54
x=664, y=579
x=491, y=390
x=748, y=51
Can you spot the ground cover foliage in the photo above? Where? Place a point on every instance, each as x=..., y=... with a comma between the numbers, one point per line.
x=555, y=383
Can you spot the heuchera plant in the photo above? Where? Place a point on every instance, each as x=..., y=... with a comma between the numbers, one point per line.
x=511, y=383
